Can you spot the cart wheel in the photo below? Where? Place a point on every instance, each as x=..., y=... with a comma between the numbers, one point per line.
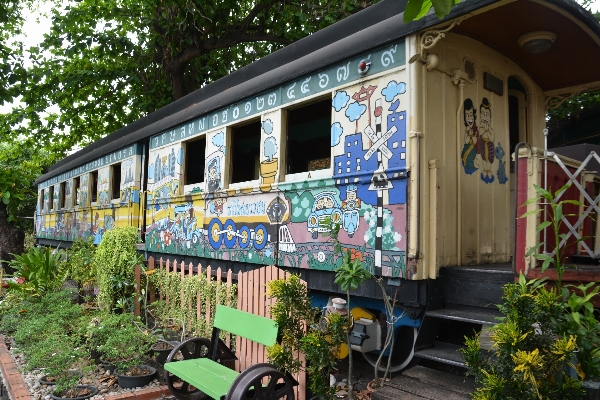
x=402, y=353
x=190, y=349
x=261, y=381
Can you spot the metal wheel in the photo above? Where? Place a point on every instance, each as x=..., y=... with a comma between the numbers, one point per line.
x=402, y=353
x=261, y=381
x=190, y=349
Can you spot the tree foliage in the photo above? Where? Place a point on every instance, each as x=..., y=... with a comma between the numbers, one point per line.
x=107, y=63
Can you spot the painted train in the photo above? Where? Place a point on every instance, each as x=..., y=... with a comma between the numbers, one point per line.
x=400, y=133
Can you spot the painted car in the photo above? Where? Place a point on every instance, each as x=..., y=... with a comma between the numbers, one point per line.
x=325, y=210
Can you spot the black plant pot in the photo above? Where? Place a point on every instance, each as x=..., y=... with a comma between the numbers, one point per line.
x=44, y=379
x=162, y=354
x=96, y=355
x=110, y=367
x=131, y=382
x=93, y=392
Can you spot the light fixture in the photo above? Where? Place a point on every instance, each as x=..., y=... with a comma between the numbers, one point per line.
x=536, y=42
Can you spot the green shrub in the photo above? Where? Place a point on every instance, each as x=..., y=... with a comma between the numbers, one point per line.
x=531, y=349
x=114, y=266
x=79, y=263
x=39, y=267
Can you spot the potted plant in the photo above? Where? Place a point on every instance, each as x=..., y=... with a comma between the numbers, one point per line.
x=61, y=356
x=125, y=348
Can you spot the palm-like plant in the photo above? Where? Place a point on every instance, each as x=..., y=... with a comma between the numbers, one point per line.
x=39, y=268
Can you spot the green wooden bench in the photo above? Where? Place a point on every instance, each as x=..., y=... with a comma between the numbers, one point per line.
x=201, y=373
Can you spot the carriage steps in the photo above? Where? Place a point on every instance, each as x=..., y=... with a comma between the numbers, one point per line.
x=468, y=298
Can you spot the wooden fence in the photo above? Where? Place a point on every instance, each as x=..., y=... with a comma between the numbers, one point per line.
x=251, y=297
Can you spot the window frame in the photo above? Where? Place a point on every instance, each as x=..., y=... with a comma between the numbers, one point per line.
x=301, y=176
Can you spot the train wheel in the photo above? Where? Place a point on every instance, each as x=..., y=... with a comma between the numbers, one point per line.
x=230, y=233
x=195, y=239
x=402, y=353
x=244, y=237
x=260, y=237
x=261, y=381
x=214, y=236
x=190, y=349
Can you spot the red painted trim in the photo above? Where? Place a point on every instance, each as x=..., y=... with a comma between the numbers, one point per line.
x=521, y=223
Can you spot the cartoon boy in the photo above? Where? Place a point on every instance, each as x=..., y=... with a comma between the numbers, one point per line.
x=469, y=152
x=214, y=175
x=485, y=146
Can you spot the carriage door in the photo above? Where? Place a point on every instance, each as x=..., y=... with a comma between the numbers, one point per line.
x=517, y=125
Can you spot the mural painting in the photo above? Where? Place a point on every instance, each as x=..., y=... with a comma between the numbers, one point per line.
x=130, y=191
x=215, y=159
x=288, y=223
x=269, y=158
x=479, y=150
x=164, y=171
x=103, y=187
x=177, y=229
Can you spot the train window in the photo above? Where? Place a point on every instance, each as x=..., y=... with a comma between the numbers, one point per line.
x=76, y=185
x=51, y=198
x=194, y=161
x=41, y=201
x=115, y=174
x=309, y=137
x=61, y=196
x=245, y=157
x=94, y=186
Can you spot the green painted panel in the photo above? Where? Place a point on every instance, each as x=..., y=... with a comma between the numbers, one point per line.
x=208, y=376
x=254, y=327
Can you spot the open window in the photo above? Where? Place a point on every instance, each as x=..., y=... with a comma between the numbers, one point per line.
x=115, y=183
x=245, y=154
x=61, y=195
x=76, y=186
x=94, y=186
x=41, y=201
x=194, y=153
x=308, y=140
x=51, y=198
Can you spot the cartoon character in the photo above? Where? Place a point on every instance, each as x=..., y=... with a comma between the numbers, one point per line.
x=350, y=206
x=485, y=146
x=214, y=175
x=469, y=158
x=325, y=210
x=216, y=206
x=502, y=178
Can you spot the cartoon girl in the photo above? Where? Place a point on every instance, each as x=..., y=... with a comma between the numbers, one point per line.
x=485, y=146
x=469, y=152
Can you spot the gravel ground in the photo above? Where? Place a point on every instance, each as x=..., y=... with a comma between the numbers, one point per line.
x=99, y=377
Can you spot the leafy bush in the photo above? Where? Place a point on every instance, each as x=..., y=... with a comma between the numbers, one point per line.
x=79, y=263
x=126, y=340
x=114, y=266
x=532, y=350
x=39, y=267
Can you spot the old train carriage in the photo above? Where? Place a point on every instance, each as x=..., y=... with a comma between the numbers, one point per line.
x=400, y=133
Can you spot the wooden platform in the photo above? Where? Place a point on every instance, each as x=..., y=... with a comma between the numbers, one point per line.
x=419, y=383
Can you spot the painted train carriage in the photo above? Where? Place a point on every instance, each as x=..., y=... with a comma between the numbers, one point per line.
x=401, y=134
